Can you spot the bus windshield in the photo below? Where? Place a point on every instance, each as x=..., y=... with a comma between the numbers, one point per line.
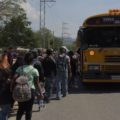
x=102, y=37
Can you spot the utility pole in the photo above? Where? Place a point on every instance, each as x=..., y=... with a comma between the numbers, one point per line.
x=42, y=19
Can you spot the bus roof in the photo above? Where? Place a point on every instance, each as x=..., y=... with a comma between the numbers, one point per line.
x=102, y=20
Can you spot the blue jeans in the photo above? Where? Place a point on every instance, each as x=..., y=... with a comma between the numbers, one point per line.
x=48, y=86
x=5, y=109
x=61, y=84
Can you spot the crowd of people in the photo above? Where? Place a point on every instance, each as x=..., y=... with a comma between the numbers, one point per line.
x=35, y=74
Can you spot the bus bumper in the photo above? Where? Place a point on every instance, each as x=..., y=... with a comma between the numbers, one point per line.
x=100, y=81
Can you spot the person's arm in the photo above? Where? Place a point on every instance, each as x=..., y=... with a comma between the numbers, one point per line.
x=69, y=67
x=38, y=87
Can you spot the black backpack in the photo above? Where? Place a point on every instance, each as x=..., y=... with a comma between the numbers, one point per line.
x=49, y=66
x=38, y=66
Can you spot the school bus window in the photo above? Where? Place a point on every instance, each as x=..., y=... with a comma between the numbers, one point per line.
x=103, y=37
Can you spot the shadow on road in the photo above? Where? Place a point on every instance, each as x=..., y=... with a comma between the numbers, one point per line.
x=95, y=89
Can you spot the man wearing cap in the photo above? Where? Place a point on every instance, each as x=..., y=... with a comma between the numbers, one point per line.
x=63, y=68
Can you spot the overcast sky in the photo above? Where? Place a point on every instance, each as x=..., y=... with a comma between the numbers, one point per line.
x=72, y=12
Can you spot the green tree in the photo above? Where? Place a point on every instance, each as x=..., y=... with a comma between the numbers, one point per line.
x=50, y=40
x=57, y=43
x=38, y=39
x=10, y=8
x=71, y=46
x=17, y=32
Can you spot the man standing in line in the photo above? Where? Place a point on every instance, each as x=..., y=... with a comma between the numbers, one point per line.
x=49, y=66
x=63, y=70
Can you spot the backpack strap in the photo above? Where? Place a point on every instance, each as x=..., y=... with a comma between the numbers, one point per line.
x=22, y=73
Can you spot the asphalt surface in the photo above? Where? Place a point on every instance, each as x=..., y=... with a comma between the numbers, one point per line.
x=86, y=103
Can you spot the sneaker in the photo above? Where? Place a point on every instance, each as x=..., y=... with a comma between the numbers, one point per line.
x=64, y=96
x=58, y=98
x=47, y=100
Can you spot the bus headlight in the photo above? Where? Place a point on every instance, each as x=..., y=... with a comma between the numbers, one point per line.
x=94, y=67
x=92, y=53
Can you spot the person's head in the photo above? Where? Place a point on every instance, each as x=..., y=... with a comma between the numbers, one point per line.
x=19, y=61
x=35, y=53
x=63, y=49
x=10, y=48
x=49, y=51
x=28, y=59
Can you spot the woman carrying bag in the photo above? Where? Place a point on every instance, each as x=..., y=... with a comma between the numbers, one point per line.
x=33, y=81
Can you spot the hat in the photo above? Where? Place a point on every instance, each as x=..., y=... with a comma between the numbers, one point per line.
x=64, y=47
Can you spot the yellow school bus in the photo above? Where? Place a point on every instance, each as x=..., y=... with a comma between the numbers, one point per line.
x=99, y=39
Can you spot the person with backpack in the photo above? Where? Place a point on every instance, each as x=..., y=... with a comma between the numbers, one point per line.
x=63, y=70
x=26, y=77
x=49, y=66
x=6, y=99
x=19, y=62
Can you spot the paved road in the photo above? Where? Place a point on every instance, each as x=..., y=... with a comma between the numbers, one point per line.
x=83, y=104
